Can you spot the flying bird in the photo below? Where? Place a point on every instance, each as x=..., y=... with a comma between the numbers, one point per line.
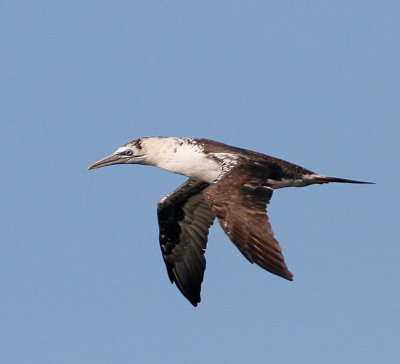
x=233, y=184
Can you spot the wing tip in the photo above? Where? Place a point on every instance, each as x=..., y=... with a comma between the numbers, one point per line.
x=284, y=274
x=193, y=299
x=290, y=277
x=194, y=302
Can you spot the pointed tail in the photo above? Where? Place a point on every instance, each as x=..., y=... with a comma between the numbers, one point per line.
x=324, y=179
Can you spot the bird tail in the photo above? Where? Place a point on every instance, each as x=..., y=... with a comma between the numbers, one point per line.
x=325, y=179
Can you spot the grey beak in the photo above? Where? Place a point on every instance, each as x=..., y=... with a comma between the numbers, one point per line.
x=107, y=161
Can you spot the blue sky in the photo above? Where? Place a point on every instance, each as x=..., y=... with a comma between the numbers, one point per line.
x=81, y=274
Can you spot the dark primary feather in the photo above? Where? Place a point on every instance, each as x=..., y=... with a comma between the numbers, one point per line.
x=184, y=219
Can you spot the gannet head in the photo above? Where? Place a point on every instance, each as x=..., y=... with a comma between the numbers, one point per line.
x=135, y=152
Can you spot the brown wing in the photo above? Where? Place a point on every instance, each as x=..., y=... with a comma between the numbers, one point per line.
x=239, y=201
x=184, y=219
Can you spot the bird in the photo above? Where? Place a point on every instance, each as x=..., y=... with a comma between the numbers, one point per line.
x=230, y=184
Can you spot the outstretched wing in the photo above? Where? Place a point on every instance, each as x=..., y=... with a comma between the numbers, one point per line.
x=184, y=219
x=239, y=201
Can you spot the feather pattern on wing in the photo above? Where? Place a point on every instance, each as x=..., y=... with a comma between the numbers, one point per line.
x=239, y=200
x=184, y=219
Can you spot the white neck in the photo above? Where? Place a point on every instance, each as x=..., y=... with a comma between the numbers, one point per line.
x=183, y=156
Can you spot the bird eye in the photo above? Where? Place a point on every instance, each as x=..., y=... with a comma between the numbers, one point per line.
x=128, y=152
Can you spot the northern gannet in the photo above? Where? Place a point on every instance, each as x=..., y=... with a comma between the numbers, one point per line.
x=233, y=184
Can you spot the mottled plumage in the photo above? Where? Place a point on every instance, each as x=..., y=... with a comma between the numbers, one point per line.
x=233, y=184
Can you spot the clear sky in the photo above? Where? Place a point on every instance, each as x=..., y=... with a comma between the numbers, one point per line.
x=81, y=274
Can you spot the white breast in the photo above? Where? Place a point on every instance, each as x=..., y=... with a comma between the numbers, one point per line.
x=189, y=160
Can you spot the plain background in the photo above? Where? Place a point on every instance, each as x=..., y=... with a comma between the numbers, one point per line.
x=81, y=275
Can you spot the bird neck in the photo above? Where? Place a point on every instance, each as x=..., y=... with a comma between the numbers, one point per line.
x=182, y=156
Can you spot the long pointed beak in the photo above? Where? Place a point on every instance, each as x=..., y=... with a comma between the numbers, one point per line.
x=108, y=161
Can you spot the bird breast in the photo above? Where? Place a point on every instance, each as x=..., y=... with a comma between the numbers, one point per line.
x=192, y=163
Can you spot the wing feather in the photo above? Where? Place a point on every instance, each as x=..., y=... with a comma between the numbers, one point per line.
x=184, y=219
x=239, y=200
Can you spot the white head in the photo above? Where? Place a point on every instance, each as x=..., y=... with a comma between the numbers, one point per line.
x=178, y=155
x=139, y=151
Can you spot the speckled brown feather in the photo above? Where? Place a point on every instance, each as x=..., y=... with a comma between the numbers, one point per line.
x=239, y=201
x=288, y=169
